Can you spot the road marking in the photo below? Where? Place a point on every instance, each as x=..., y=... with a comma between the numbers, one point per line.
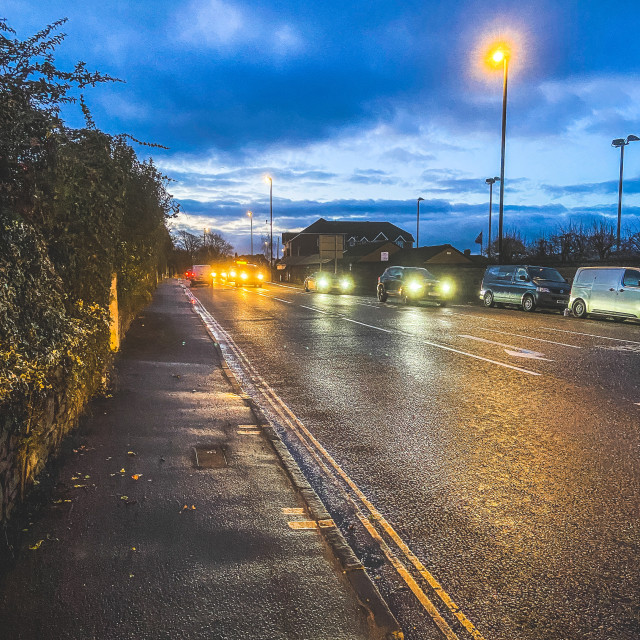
x=318, y=452
x=246, y=432
x=303, y=524
x=512, y=351
x=280, y=299
x=366, y=325
x=591, y=335
x=326, y=313
x=293, y=511
x=519, y=335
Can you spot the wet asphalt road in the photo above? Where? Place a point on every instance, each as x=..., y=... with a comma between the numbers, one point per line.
x=504, y=447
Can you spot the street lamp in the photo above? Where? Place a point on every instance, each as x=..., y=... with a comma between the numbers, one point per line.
x=270, y=180
x=418, y=224
x=204, y=237
x=501, y=55
x=250, y=214
x=621, y=142
x=490, y=182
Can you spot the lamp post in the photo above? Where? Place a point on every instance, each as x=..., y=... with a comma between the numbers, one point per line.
x=250, y=214
x=621, y=142
x=490, y=182
x=418, y=224
x=501, y=54
x=269, y=179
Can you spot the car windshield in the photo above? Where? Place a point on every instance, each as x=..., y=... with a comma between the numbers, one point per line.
x=418, y=272
x=545, y=273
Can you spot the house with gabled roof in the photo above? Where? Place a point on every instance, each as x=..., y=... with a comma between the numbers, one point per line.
x=354, y=233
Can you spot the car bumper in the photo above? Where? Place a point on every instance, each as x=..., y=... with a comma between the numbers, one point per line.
x=552, y=300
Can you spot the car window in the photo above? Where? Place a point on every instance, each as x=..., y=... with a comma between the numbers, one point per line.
x=546, y=273
x=521, y=275
x=607, y=278
x=394, y=272
x=586, y=276
x=506, y=274
x=631, y=278
x=492, y=272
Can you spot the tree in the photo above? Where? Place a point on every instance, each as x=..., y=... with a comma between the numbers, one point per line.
x=216, y=248
x=602, y=239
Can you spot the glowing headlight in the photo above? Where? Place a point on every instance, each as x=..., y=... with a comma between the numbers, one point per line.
x=415, y=286
x=446, y=287
x=345, y=284
x=232, y=274
x=260, y=276
x=244, y=275
x=323, y=283
x=223, y=274
x=213, y=274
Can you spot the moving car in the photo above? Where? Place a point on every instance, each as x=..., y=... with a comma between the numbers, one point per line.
x=526, y=286
x=611, y=291
x=327, y=282
x=412, y=284
x=199, y=274
x=245, y=274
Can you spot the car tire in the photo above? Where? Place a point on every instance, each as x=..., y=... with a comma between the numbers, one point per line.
x=382, y=295
x=488, y=299
x=579, y=308
x=306, y=287
x=528, y=303
x=443, y=303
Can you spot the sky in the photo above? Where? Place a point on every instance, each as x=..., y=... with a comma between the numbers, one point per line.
x=358, y=108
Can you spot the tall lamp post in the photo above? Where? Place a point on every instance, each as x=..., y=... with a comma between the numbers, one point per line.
x=490, y=182
x=501, y=54
x=270, y=180
x=418, y=224
x=622, y=143
x=250, y=214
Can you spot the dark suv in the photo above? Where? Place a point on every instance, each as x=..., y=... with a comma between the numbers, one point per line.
x=411, y=284
x=526, y=286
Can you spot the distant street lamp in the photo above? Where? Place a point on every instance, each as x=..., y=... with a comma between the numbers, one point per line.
x=250, y=214
x=204, y=237
x=501, y=54
x=270, y=180
x=490, y=182
x=621, y=142
x=418, y=224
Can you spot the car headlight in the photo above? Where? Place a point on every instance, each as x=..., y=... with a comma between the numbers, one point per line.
x=260, y=276
x=415, y=286
x=345, y=284
x=244, y=275
x=446, y=287
x=543, y=290
x=223, y=274
x=323, y=283
x=232, y=274
x=213, y=274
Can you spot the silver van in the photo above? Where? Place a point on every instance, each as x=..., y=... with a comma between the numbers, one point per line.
x=610, y=291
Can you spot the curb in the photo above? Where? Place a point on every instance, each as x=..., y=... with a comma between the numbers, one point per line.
x=383, y=623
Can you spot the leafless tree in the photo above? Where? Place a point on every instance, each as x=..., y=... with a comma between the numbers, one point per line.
x=602, y=239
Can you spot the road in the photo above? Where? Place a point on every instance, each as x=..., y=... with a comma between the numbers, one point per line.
x=483, y=463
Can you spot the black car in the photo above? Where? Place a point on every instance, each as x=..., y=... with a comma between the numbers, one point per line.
x=245, y=274
x=526, y=286
x=412, y=284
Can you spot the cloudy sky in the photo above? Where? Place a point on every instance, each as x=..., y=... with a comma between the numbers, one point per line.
x=357, y=108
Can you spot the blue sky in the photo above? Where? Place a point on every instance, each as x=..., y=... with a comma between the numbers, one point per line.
x=358, y=108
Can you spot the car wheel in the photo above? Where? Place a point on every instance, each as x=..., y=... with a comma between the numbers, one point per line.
x=443, y=303
x=528, y=303
x=488, y=299
x=382, y=295
x=579, y=308
x=259, y=285
x=306, y=287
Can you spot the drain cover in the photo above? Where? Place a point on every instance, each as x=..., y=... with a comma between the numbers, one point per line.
x=210, y=456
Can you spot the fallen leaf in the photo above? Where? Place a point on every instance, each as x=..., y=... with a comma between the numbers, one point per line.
x=124, y=497
x=122, y=470
x=87, y=477
x=193, y=506
x=36, y=545
x=74, y=477
x=135, y=476
x=131, y=453
x=79, y=486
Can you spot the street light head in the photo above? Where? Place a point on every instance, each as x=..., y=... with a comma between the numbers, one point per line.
x=420, y=199
x=268, y=179
x=497, y=179
x=250, y=214
x=618, y=142
x=498, y=56
x=632, y=138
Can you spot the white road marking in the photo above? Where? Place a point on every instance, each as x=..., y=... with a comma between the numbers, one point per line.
x=519, y=335
x=591, y=335
x=280, y=299
x=326, y=313
x=512, y=351
x=367, y=325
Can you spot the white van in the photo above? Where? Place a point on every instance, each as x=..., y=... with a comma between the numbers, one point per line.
x=610, y=291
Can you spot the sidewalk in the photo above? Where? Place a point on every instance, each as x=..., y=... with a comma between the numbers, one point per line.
x=168, y=520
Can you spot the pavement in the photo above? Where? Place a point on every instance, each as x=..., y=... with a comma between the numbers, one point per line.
x=175, y=512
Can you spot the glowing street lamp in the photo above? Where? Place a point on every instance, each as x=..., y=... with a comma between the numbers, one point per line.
x=418, y=224
x=622, y=143
x=490, y=182
x=269, y=179
x=500, y=54
x=250, y=214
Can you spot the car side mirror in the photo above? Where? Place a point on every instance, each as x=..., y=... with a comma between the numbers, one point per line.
x=524, y=278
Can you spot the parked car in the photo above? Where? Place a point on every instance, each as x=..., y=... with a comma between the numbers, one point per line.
x=199, y=274
x=327, y=282
x=526, y=286
x=611, y=291
x=411, y=284
x=245, y=274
